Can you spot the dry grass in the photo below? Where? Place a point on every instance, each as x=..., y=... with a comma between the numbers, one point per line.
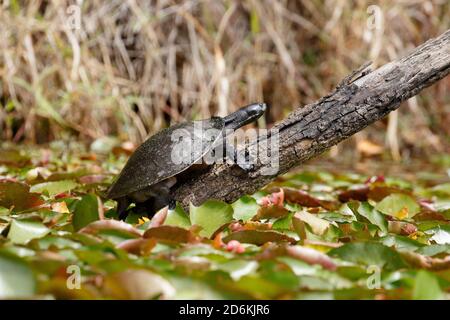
x=136, y=66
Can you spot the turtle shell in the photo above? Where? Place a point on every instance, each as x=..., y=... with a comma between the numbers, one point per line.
x=166, y=154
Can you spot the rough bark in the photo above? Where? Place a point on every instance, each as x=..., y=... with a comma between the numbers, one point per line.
x=310, y=130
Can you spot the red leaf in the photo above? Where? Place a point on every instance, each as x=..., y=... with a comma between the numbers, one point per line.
x=137, y=246
x=375, y=179
x=359, y=193
x=171, y=234
x=110, y=224
x=159, y=218
x=272, y=211
x=276, y=198
x=17, y=194
x=301, y=197
x=258, y=237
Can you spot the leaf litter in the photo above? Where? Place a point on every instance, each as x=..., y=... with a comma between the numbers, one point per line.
x=311, y=233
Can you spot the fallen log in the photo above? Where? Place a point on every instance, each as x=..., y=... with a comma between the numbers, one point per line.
x=359, y=100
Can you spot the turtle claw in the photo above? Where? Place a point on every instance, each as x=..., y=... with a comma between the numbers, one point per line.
x=172, y=204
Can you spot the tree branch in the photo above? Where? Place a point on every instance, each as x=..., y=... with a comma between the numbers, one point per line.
x=310, y=130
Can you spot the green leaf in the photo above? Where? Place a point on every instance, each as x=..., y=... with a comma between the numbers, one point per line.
x=442, y=189
x=441, y=237
x=398, y=205
x=54, y=187
x=426, y=287
x=284, y=223
x=178, y=218
x=318, y=226
x=211, y=215
x=22, y=231
x=434, y=249
x=238, y=268
x=401, y=242
x=245, y=208
x=271, y=270
x=440, y=234
x=13, y=157
x=442, y=205
x=299, y=267
x=369, y=253
x=16, y=278
x=373, y=215
x=85, y=211
x=57, y=242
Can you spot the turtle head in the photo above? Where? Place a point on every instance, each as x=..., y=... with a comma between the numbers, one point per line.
x=245, y=115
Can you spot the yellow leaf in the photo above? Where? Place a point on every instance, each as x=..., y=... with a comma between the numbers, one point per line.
x=143, y=220
x=402, y=214
x=60, y=207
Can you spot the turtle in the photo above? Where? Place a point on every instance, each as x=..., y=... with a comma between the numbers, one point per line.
x=173, y=155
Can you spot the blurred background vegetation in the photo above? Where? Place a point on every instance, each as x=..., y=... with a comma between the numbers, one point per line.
x=130, y=68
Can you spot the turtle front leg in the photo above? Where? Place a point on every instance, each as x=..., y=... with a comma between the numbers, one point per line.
x=122, y=206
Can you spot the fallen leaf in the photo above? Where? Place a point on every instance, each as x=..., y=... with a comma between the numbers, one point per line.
x=426, y=287
x=86, y=210
x=359, y=193
x=311, y=256
x=275, y=198
x=369, y=253
x=138, y=284
x=300, y=197
x=318, y=226
x=54, y=187
x=22, y=231
x=378, y=193
x=13, y=158
x=137, y=246
x=171, y=234
x=245, y=208
x=398, y=205
x=17, y=194
x=441, y=237
x=17, y=280
x=159, y=218
x=110, y=224
x=210, y=216
x=271, y=211
x=258, y=237
x=60, y=207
